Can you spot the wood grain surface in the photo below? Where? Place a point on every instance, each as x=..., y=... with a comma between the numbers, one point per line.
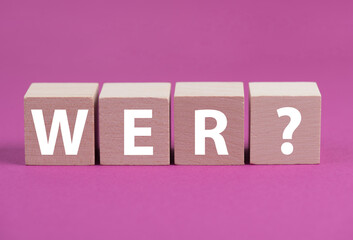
x=113, y=100
x=227, y=97
x=266, y=128
x=67, y=96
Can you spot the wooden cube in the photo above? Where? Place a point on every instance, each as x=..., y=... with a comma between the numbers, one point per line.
x=60, y=123
x=285, y=123
x=209, y=123
x=134, y=124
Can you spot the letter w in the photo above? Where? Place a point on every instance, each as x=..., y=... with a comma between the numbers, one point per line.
x=59, y=119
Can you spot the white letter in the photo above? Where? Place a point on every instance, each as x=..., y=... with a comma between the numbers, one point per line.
x=201, y=133
x=130, y=132
x=59, y=119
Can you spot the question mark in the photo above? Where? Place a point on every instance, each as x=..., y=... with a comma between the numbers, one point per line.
x=295, y=119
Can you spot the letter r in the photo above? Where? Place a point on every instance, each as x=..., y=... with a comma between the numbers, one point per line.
x=201, y=133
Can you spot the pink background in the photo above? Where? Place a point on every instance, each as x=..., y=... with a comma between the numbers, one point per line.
x=112, y=41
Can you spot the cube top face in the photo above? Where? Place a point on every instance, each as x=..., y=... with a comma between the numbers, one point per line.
x=64, y=90
x=136, y=90
x=295, y=89
x=285, y=128
x=59, y=124
x=209, y=89
x=116, y=103
x=222, y=99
